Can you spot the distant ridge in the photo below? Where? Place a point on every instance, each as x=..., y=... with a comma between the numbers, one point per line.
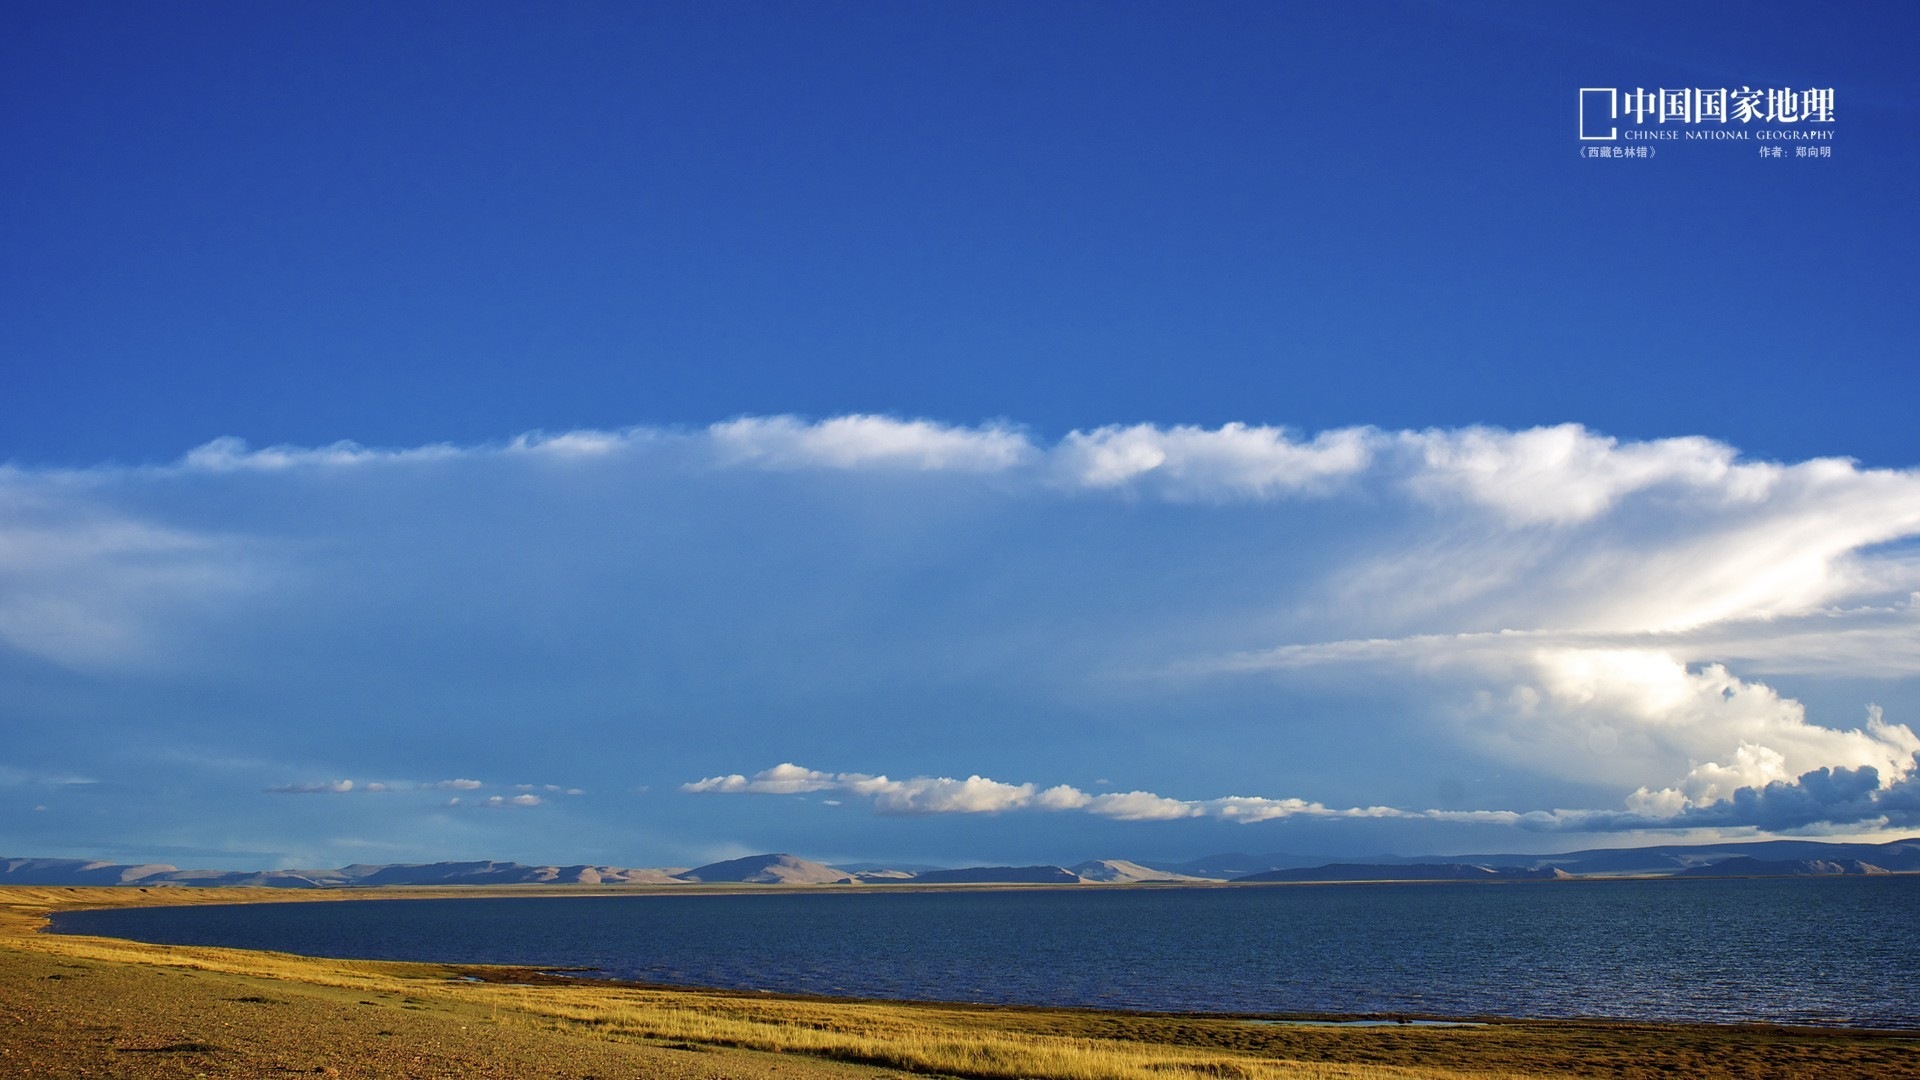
x=1409, y=872
x=1896, y=855
x=1118, y=871
x=767, y=869
x=1235, y=864
x=999, y=875
x=1900, y=856
x=84, y=872
x=76, y=872
x=894, y=868
x=1796, y=858
x=1745, y=866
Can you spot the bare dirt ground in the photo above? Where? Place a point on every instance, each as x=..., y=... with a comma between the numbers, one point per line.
x=65, y=1015
x=76, y=1018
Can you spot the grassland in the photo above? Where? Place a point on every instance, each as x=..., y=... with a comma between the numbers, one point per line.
x=80, y=1006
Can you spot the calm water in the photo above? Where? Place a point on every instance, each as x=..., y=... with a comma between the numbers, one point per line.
x=1801, y=951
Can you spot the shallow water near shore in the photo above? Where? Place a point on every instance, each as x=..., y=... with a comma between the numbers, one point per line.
x=1823, y=951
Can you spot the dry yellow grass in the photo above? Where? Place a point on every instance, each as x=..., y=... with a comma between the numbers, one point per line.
x=972, y=1041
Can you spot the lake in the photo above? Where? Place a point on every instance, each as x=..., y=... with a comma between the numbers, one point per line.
x=1828, y=951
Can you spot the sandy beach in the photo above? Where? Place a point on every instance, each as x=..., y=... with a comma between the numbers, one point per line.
x=79, y=1006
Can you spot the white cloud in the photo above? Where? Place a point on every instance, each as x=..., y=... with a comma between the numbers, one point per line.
x=332, y=787
x=1755, y=791
x=1703, y=713
x=1791, y=748
x=1232, y=461
x=1616, y=709
x=347, y=787
x=1248, y=809
x=1642, y=572
x=729, y=784
x=784, y=779
x=577, y=444
x=1142, y=806
x=940, y=795
x=229, y=454
x=920, y=795
x=856, y=442
x=1062, y=797
x=1566, y=474
x=979, y=795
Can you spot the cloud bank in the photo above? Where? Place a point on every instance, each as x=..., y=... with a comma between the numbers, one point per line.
x=979, y=795
x=1635, y=623
x=1825, y=796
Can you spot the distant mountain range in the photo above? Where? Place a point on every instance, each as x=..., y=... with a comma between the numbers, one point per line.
x=83, y=872
x=1899, y=856
x=1409, y=872
x=1766, y=858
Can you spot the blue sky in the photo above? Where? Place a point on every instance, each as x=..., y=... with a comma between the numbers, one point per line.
x=646, y=434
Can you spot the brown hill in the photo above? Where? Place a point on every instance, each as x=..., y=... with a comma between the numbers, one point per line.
x=767, y=869
x=1120, y=871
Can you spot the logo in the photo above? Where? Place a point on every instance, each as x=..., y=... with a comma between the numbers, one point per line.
x=1608, y=114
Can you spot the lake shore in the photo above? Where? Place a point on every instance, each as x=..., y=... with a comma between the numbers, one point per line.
x=84, y=1006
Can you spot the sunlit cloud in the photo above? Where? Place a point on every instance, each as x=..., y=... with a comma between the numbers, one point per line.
x=980, y=795
x=1233, y=461
x=867, y=442
x=1565, y=475
x=1754, y=792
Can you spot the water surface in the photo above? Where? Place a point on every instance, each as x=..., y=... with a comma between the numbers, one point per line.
x=1839, y=951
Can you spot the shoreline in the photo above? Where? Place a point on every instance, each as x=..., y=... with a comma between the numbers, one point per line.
x=567, y=1019
x=532, y=969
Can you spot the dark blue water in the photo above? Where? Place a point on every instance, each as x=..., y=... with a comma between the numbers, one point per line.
x=1838, y=951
